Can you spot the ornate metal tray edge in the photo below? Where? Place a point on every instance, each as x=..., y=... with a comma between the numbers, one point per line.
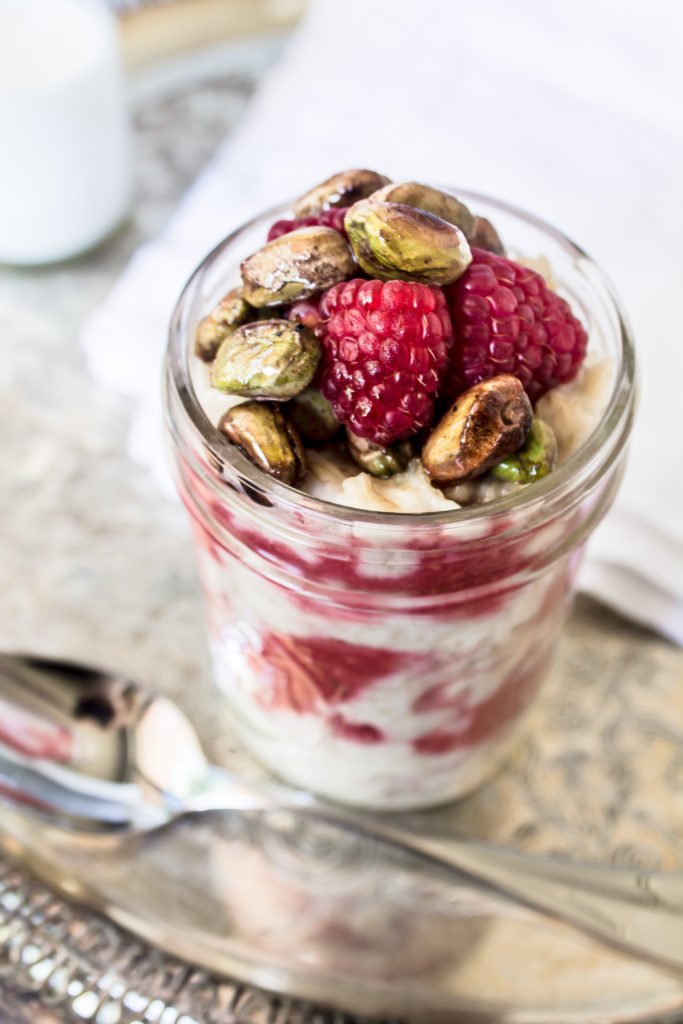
x=92, y=971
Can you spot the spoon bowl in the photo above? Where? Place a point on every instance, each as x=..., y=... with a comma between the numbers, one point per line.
x=92, y=751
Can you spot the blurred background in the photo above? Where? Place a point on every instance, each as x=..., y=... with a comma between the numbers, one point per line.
x=92, y=559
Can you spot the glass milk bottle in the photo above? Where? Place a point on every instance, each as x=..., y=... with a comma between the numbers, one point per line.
x=64, y=143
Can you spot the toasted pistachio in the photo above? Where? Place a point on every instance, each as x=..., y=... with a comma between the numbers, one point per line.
x=378, y=461
x=269, y=313
x=424, y=197
x=341, y=189
x=230, y=312
x=267, y=439
x=269, y=359
x=313, y=416
x=391, y=240
x=296, y=266
x=485, y=424
x=536, y=458
x=485, y=236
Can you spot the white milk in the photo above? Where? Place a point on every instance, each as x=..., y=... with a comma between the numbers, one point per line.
x=64, y=143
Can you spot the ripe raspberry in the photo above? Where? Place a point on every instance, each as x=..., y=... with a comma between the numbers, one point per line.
x=333, y=218
x=308, y=312
x=507, y=320
x=386, y=352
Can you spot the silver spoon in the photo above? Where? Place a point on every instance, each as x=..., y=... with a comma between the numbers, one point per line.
x=90, y=750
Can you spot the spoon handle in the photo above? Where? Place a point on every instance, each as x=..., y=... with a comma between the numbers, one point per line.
x=636, y=911
x=41, y=771
x=631, y=910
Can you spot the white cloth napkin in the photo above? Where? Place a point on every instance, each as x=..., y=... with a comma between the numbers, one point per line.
x=570, y=110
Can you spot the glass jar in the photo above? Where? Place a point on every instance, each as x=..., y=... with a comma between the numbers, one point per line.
x=385, y=660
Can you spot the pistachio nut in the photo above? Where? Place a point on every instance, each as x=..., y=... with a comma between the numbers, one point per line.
x=536, y=458
x=296, y=266
x=230, y=312
x=313, y=416
x=485, y=236
x=267, y=439
x=341, y=189
x=268, y=313
x=424, y=197
x=392, y=240
x=485, y=424
x=378, y=461
x=269, y=359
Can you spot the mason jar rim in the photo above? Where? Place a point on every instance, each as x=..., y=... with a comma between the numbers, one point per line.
x=528, y=499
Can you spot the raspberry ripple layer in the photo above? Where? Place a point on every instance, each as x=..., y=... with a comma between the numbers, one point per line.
x=389, y=711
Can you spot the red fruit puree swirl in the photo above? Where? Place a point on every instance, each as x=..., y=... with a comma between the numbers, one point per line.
x=311, y=660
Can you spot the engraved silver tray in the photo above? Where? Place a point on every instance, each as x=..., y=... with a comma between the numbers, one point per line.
x=599, y=776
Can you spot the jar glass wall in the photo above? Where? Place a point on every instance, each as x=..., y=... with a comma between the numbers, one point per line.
x=385, y=660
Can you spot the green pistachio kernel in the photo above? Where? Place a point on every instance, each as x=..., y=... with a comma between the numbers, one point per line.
x=391, y=240
x=424, y=197
x=268, y=313
x=486, y=237
x=313, y=416
x=267, y=439
x=341, y=189
x=484, y=425
x=231, y=312
x=536, y=458
x=296, y=266
x=376, y=460
x=273, y=359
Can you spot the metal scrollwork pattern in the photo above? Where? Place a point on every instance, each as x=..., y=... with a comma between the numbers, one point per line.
x=81, y=967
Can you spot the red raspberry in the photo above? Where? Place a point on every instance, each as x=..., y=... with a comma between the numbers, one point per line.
x=308, y=312
x=507, y=320
x=333, y=218
x=386, y=352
